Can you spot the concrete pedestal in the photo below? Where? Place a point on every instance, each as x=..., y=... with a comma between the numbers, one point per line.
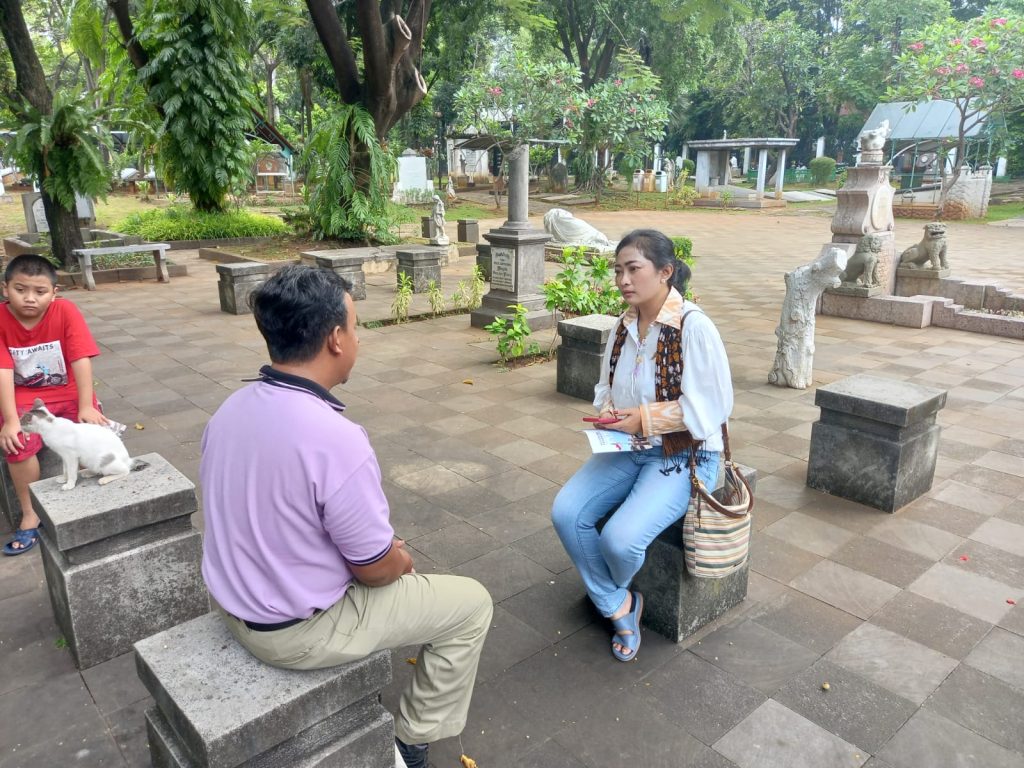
x=121, y=560
x=468, y=231
x=517, y=272
x=217, y=706
x=427, y=227
x=349, y=267
x=580, y=353
x=236, y=282
x=677, y=604
x=483, y=259
x=876, y=442
x=421, y=265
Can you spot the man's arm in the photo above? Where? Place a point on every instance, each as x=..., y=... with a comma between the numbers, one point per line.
x=395, y=564
x=87, y=414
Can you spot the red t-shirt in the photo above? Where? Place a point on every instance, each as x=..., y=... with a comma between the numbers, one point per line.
x=42, y=357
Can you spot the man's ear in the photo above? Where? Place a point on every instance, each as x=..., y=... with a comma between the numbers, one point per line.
x=336, y=340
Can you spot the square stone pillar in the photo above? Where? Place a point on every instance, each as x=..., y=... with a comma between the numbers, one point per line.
x=469, y=231
x=349, y=267
x=780, y=174
x=122, y=561
x=427, y=228
x=876, y=442
x=483, y=259
x=421, y=265
x=218, y=706
x=580, y=354
x=236, y=282
x=702, y=172
x=49, y=466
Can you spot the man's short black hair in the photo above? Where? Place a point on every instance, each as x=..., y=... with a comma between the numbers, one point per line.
x=30, y=265
x=297, y=309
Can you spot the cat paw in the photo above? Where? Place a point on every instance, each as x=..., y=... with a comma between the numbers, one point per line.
x=87, y=473
x=67, y=486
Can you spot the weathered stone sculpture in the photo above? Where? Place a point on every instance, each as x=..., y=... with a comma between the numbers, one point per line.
x=863, y=267
x=794, y=356
x=439, y=238
x=566, y=229
x=872, y=142
x=931, y=250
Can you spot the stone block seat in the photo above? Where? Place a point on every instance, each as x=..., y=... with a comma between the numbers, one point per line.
x=217, y=706
x=122, y=560
x=876, y=442
x=677, y=604
x=49, y=466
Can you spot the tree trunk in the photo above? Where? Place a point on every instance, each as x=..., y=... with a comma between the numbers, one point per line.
x=271, y=67
x=32, y=87
x=306, y=85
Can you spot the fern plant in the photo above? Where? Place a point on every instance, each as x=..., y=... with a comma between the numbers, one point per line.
x=198, y=76
x=347, y=178
x=62, y=148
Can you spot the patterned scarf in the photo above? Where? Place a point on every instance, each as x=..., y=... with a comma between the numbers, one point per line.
x=668, y=368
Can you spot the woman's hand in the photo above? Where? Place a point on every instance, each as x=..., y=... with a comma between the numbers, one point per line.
x=628, y=421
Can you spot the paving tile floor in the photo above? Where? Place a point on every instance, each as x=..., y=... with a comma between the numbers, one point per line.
x=908, y=617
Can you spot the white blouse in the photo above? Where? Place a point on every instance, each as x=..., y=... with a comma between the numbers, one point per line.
x=707, y=395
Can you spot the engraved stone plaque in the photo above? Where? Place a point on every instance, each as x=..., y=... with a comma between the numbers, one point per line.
x=503, y=269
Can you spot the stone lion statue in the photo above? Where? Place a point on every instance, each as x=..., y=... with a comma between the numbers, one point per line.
x=874, y=139
x=863, y=265
x=565, y=228
x=931, y=249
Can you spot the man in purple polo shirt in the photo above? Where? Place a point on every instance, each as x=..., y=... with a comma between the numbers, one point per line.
x=299, y=553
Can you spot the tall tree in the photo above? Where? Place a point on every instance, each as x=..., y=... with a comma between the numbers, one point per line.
x=32, y=89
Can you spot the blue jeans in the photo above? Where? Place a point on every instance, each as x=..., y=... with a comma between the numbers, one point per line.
x=645, y=501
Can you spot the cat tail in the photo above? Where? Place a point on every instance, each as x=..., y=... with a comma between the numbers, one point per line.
x=138, y=464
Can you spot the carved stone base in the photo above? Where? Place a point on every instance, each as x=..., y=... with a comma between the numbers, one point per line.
x=926, y=272
x=858, y=290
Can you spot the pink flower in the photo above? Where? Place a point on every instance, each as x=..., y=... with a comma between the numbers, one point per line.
x=618, y=82
x=956, y=41
x=916, y=46
x=1018, y=74
x=568, y=123
x=1000, y=22
x=961, y=68
x=495, y=91
x=977, y=82
x=632, y=110
x=943, y=70
x=976, y=42
x=591, y=102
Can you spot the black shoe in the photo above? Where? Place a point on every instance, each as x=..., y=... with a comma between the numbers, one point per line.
x=414, y=755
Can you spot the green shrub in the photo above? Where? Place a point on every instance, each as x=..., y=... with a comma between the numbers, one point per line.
x=182, y=223
x=684, y=249
x=583, y=288
x=821, y=169
x=689, y=166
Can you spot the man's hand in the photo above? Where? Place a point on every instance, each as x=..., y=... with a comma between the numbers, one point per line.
x=90, y=415
x=400, y=545
x=10, y=437
x=390, y=568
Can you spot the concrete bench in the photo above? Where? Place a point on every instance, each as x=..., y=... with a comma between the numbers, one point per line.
x=122, y=561
x=157, y=249
x=876, y=442
x=49, y=466
x=217, y=706
x=581, y=353
x=677, y=604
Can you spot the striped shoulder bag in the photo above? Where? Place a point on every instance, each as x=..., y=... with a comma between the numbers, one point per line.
x=716, y=531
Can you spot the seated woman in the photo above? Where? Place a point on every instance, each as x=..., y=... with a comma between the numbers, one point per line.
x=665, y=377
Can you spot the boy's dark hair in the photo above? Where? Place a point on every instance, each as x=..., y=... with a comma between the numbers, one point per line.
x=30, y=265
x=658, y=248
x=296, y=310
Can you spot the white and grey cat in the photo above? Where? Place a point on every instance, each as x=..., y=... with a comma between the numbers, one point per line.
x=98, y=450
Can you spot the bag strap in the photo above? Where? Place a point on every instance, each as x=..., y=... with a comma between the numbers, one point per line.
x=699, y=492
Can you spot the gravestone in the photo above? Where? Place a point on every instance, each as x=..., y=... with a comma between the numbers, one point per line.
x=876, y=442
x=483, y=260
x=218, y=706
x=346, y=264
x=35, y=214
x=517, y=256
x=421, y=265
x=468, y=231
x=559, y=178
x=122, y=561
x=413, y=184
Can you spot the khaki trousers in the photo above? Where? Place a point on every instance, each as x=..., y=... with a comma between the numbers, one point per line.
x=448, y=615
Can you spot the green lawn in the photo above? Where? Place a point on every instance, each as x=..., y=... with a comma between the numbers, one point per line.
x=108, y=213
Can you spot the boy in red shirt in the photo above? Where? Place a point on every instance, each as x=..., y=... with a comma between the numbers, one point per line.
x=45, y=351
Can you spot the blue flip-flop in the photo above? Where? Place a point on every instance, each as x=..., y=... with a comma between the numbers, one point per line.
x=629, y=623
x=26, y=537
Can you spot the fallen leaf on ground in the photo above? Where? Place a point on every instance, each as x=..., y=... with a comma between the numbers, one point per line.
x=825, y=686
x=467, y=381
x=964, y=558
x=467, y=762
x=1011, y=601
x=139, y=426
x=411, y=660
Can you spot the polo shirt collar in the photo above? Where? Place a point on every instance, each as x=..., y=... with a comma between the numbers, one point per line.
x=274, y=377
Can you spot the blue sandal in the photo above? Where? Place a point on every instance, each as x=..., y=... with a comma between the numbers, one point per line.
x=629, y=623
x=27, y=538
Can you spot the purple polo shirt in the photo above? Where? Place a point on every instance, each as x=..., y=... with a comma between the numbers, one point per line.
x=291, y=495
